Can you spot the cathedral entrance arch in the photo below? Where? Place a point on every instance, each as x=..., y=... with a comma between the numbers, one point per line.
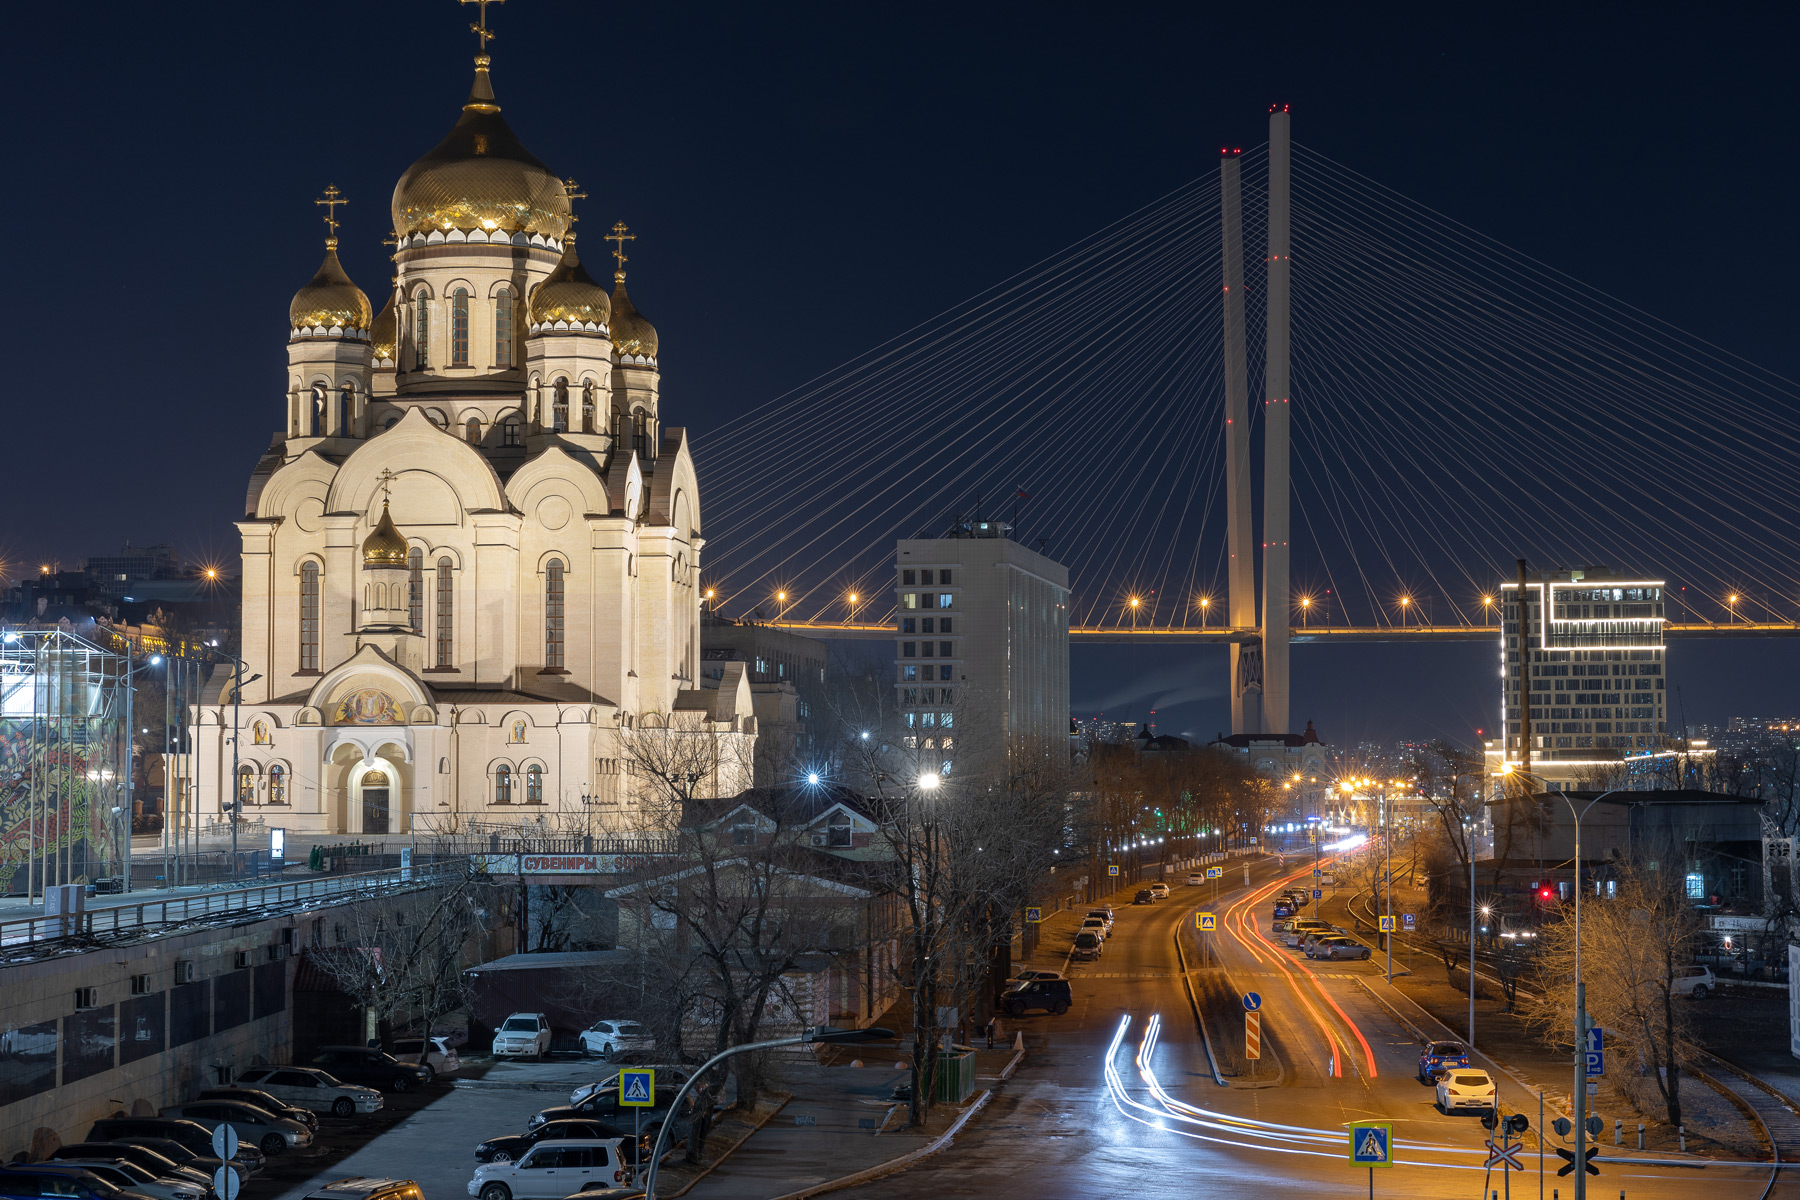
x=376, y=788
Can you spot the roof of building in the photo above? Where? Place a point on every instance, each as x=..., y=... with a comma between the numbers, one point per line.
x=1244, y=741
x=556, y=961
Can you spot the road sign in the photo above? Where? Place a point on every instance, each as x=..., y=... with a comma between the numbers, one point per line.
x=1595, y=1039
x=1112, y=868
x=1034, y=915
x=1369, y=1145
x=1596, y=1063
x=225, y=1141
x=1568, y=1157
x=1409, y=921
x=637, y=1088
x=1505, y=1156
x=226, y=1182
x=1252, y=1035
x=1387, y=924
x=1318, y=874
x=1317, y=893
x=1208, y=922
x=1252, y=1001
x=1214, y=872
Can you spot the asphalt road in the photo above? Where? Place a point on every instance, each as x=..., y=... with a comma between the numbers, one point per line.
x=1060, y=1129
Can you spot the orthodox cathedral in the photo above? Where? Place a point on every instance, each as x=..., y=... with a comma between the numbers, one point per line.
x=470, y=557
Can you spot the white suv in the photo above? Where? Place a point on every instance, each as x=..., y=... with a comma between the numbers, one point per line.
x=1693, y=982
x=551, y=1170
x=605, y=1039
x=523, y=1035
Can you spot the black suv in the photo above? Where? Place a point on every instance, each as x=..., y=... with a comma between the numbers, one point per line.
x=1050, y=995
x=371, y=1068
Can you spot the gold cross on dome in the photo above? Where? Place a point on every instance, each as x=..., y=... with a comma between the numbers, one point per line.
x=621, y=237
x=570, y=190
x=331, y=200
x=387, y=478
x=480, y=29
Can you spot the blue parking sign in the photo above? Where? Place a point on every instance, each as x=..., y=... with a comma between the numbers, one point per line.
x=1317, y=893
x=1408, y=920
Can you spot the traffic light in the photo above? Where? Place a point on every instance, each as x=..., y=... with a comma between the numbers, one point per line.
x=1518, y=1123
x=1568, y=1157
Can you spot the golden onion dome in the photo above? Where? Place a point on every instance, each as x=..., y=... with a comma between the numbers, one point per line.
x=480, y=177
x=384, y=547
x=570, y=294
x=384, y=333
x=631, y=334
x=330, y=298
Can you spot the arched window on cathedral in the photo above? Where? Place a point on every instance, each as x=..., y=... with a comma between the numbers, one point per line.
x=473, y=429
x=613, y=426
x=640, y=433
x=503, y=328
x=446, y=614
x=320, y=403
x=459, y=327
x=510, y=434
x=415, y=589
x=278, y=784
x=421, y=331
x=559, y=407
x=246, y=791
x=309, y=616
x=346, y=406
x=502, y=784
x=534, y=784
x=553, y=615
x=587, y=408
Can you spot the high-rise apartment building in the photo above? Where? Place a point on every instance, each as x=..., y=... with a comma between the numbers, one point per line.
x=1593, y=655
x=981, y=645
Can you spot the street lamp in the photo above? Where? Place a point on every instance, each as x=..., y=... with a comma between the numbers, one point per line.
x=237, y=698
x=781, y=600
x=1487, y=608
x=1205, y=603
x=816, y=1036
x=1731, y=606
x=854, y=601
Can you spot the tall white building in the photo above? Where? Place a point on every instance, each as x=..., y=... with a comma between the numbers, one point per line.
x=470, y=553
x=981, y=646
x=1592, y=651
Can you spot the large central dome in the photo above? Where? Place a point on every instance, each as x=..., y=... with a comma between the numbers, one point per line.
x=480, y=177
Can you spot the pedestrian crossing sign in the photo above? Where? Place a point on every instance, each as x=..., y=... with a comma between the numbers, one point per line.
x=1034, y=915
x=1112, y=868
x=1208, y=922
x=637, y=1089
x=1370, y=1144
x=1387, y=924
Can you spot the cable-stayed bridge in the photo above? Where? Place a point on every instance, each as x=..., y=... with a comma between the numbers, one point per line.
x=1435, y=405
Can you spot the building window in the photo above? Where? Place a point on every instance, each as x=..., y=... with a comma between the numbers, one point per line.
x=587, y=408
x=943, y=624
x=503, y=328
x=925, y=578
x=559, y=410
x=509, y=433
x=909, y=674
x=909, y=625
x=473, y=431
x=927, y=625
x=944, y=578
x=415, y=589
x=1696, y=886
x=946, y=600
x=502, y=784
x=421, y=331
x=640, y=433
x=309, y=616
x=446, y=614
x=278, y=784
x=906, y=577
x=459, y=328
x=246, y=791
x=944, y=671
x=909, y=650
x=944, y=650
x=553, y=615
x=534, y=784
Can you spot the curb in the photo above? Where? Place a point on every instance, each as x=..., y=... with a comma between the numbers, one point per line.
x=1012, y=1065
x=732, y=1149
x=895, y=1164
x=1187, y=981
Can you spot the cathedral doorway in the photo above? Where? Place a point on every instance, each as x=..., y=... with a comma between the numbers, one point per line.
x=375, y=791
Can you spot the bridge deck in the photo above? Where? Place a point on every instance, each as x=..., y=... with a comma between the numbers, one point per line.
x=1317, y=634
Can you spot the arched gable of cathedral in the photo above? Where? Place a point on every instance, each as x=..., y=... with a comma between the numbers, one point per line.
x=625, y=486
x=674, y=497
x=557, y=474
x=306, y=478
x=430, y=467
x=369, y=689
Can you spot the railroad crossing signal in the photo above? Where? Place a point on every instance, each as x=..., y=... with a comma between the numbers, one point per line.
x=1252, y=1035
x=1370, y=1145
x=1208, y=922
x=637, y=1089
x=1568, y=1157
x=1505, y=1155
x=1034, y=915
x=1387, y=924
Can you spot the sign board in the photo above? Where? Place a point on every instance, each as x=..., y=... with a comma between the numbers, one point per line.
x=1387, y=924
x=1252, y=1001
x=637, y=1088
x=1409, y=921
x=225, y=1141
x=1207, y=922
x=562, y=864
x=1505, y=1156
x=226, y=1182
x=1214, y=872
x=1596, y=1063
x=406, y=871
x=1595, y=1039
x=1317, y=893
x=277, y=849
x=1252, y=1035
x=1318, y=874
x=1370, y=1144
x=1034, y=915
x=1112, y=868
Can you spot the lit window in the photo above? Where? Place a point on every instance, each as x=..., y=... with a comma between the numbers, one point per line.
x=277, y=784
x=247, y=786
x=553, y=615
x=1696, y=886
x=909, y=600
x=909, y=674
x=459, y=328
x=945, y=600
x=473, y=429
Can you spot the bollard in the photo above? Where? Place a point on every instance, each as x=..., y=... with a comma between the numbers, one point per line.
x=1681, y=1131
x=1618, y=1133
x=1640, y=1135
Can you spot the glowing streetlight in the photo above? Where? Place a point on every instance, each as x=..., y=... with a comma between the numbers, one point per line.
x=781, y=599
x=1487, y=608
x=1731, y=605
x=928, y=782
x=1205, y=603
x=854, y=600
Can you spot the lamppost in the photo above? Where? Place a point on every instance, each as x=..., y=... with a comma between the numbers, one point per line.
x=155, y=660
x=237, y=697
x=1205, y=603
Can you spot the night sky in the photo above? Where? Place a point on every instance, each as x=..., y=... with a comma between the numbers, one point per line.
x=836, y=173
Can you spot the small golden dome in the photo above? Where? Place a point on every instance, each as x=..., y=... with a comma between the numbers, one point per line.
x=480, y=177
x=385, y=547
x=631, y=334
x=330, y=298
x=569, y=294
x=384, y=333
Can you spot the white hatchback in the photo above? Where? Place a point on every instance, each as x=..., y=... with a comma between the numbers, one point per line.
x=1464, y=1087
x=552, y=1170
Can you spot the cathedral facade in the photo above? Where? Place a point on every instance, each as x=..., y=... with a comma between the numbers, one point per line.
x=471, y=556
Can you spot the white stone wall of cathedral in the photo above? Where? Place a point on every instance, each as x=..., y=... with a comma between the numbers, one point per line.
x=436, y=272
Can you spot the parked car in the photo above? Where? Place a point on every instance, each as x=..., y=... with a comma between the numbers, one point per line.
x=1283, y=909
x=514, y=1145
x=1088, y=947
x=1103, y=908
x=1195, y=879
x=1103, y=914
x=1025, y=977
x=191, y=1136
x=369, y=1067
x=1326, y=880
x=206, y=1164
x=1097, y=927
x=604, y=1039
x=29, y=1181
x=1441, y=1056
x=1302, y=927
x=360, y=1187
x=267, y=1132
x=1161, y=890
x=1144, y=896
x=1465, y=1088
x=1051, y=995
x=523, y=1035
x=163, y=1166
x=434, y=1054
x=601, y=1100
x=128, y=1176
x=266, y=1101
x=1693, y=982
x=1310, y=938
x=312, y=1089
x=551, y=1170
x=1339, y=947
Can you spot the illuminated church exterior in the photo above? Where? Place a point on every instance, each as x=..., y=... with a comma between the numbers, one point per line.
x=470, y=557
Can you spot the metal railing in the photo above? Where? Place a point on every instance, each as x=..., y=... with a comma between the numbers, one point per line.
x=223, y=902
